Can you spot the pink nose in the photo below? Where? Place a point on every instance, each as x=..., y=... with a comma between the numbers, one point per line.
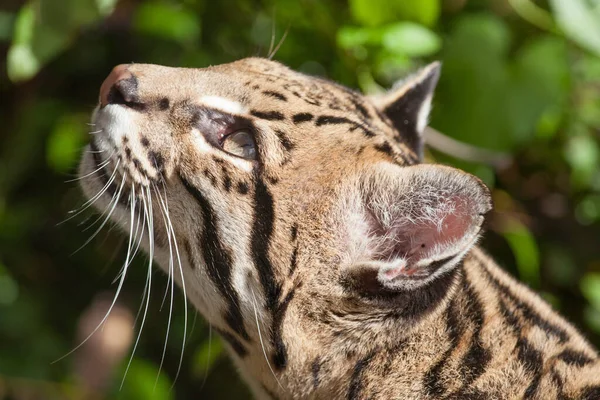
x=119, y=87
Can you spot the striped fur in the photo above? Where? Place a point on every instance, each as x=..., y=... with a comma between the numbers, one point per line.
x=307, y=260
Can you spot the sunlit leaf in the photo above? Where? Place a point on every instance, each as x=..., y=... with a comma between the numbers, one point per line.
x=352, y=36
x=580, y=20
x=410, y=39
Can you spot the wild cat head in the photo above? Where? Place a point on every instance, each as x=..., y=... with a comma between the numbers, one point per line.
x=276, y=196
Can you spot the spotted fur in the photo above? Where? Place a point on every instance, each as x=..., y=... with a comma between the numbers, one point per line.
x=333, y=264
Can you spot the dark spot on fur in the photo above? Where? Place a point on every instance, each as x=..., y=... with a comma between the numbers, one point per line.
x=302, y=117
x=242, y=188
x=163, y=104
x=227, y=183
x=385, y=148
x=275, y=95
x=145, y=142
x=156, y=159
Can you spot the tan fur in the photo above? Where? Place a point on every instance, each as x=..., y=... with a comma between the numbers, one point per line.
x=485, y=337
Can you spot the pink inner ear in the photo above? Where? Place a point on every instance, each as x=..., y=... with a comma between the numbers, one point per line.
x=416, y=238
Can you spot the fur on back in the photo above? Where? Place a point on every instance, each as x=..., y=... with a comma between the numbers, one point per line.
x=333, y=263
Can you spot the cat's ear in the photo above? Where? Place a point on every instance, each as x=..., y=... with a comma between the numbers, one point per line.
x=408, y=103
x=407, y=226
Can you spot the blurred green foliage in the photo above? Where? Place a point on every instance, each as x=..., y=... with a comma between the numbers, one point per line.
x=519, y=76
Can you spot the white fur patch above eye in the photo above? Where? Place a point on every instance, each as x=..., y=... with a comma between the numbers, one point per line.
x=223, y=104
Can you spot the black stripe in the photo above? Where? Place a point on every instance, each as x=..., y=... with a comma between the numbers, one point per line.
x=218, y=261
x=528, y=356
x=590, y=393
x=476, y=359
x=574, y=357
x=235, y=344
x=333, y=120
x=528, y=312
x=280, y=354
x=268, y=115
x=385, y=148
x=560, y=385
x=432, y=379
x=275, y=95
x=315, y=369
x=285, y=141
x=293, y=261
x=302, y=117
x=356, y=380
x=262, y=229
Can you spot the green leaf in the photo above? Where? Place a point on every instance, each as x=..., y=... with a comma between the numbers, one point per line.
x=425, y=12
x=583, y=156
x=590, y=287
x=167, y=21
x=580, y=21
x=143, y=382
x=378, y=12
x=7, y=21
x=410, y=39
x=65, y=142
x=206, y=356
x=352, y=36
x=525, y=250
x=45, y=28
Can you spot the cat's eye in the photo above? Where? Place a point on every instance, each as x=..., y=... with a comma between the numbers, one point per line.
x=241, y=144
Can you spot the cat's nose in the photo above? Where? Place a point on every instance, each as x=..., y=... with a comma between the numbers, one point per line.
x=120, y=87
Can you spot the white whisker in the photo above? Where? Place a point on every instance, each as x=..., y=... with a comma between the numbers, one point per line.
x=91, y=201
x=149, y=218
x=261, y=339
x=185, y=306
x=102, y=165
x=170, y=280
x=116, y=201
x=101, y=323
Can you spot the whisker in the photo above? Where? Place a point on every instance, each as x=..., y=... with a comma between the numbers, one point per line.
x=101, y=323
x=261, y=339
x=91, y=201
x=116, y=201
x=149, y=218
x=185, y=305
x=104, y=164
x=279, y=44
x=171, y=281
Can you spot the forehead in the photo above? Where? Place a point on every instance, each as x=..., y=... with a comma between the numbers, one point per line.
x=241, y=81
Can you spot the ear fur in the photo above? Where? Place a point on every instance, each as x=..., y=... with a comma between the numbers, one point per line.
x=408, y=104
x=408, y=226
